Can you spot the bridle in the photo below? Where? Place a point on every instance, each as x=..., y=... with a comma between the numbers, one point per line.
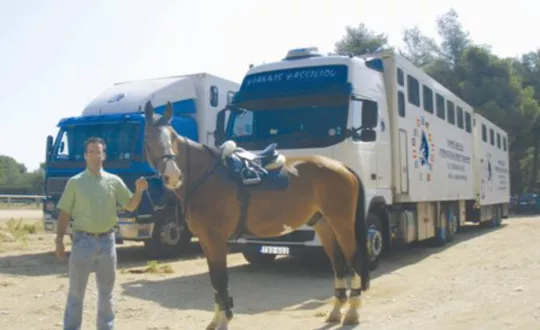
x=189, y=188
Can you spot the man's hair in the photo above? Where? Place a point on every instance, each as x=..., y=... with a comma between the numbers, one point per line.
x=94, y=139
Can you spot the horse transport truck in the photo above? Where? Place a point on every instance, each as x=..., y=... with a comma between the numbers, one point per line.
x=427, y=161
x=116, y=116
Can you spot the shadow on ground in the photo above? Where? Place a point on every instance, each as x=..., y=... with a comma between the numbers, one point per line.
x=46, y=263
x=287, y=284
x=304, y=283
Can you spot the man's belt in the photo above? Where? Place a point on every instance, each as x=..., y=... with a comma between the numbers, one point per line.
x=85, y=233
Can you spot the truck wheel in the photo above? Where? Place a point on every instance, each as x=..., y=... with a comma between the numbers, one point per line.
x=441, y=232
x=375, y=240
x=453, y=224
x=497, y=218
x=258, y=259
x=158, y=248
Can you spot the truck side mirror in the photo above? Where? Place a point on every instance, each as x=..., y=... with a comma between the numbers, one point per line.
x=370, y=114
x=48, y=148
x=219, y=133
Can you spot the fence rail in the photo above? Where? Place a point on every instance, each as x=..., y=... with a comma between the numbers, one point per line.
x=10, y=200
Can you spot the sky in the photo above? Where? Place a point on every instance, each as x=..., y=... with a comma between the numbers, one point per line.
x=56, y=56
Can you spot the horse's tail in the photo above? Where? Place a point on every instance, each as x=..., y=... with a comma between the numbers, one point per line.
x=362, y=255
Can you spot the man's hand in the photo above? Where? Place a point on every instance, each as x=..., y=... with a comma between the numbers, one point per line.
x=60, y=249
x=141, y=185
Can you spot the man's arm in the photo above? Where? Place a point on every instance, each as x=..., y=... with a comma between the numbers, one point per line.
x=126, y=198
x=65, y=205
x=61, y=225
x=134, y=202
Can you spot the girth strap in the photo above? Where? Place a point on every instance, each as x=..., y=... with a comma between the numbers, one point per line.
x=244, y=197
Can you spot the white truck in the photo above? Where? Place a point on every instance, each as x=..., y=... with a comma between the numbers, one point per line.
x=116, y=115
x=416, y=146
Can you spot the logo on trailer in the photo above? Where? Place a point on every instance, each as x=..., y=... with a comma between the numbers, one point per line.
x=487, y=181
x=423, y=148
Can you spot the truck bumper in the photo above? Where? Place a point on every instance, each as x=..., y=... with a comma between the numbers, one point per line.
x=274, y=248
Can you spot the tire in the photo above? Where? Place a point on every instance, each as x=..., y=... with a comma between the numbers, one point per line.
x=453, y=224
x=375, y=240
x=497, y=219
x=157, y=248
x=441, y=231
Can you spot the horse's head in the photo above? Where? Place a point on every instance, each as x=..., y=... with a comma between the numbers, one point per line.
x=162, y=145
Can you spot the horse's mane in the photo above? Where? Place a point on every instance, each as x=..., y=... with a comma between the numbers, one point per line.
x=214, y=152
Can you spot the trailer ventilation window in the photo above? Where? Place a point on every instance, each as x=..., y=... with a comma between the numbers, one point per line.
x=491, y=136
x=400, y=77
x=428, y=99
x=460, y=117
x=498, y=140
x=401, y=103
x=413, y=90
x=468, y=126
x=504, y=143
x=214, y=96
x=441, y=110
x=484, y=133
x=451, y=112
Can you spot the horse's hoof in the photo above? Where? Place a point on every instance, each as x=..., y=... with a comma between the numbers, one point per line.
x=333, y=317
x=351, y=318
x=213, y=326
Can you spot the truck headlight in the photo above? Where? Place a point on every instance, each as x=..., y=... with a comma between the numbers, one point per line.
x=49, y=206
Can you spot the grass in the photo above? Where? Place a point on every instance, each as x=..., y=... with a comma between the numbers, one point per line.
x=18, y=231
x=152, y=267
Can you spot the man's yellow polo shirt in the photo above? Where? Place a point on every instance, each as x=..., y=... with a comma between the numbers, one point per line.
x=91, y=200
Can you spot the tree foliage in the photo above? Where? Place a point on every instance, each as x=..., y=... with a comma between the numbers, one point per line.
x=504, y=90
x=15, y=178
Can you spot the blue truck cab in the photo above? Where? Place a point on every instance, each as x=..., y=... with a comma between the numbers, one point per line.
x=117, y=116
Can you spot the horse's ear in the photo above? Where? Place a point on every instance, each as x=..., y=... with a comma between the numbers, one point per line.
x=168, y=112
x=149, y=113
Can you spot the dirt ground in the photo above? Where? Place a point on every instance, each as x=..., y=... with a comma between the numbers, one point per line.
x=486, y=279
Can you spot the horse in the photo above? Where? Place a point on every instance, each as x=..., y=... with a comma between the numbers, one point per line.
x=227, y=191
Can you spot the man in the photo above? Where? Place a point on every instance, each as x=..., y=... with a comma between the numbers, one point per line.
x=90, y=198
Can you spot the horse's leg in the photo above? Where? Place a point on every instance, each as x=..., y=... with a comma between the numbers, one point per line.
x=355, y=302
x=337, y=261
x=215, y=250
x=346, y=238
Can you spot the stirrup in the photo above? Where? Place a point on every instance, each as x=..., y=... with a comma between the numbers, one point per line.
x=251, y=181
x=248, y=180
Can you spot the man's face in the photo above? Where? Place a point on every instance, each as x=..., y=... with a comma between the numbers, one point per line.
x=94, y=155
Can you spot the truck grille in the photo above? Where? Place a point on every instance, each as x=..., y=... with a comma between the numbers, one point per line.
x=56, y=185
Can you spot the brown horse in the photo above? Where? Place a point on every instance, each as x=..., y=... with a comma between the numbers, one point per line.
x=319, y=191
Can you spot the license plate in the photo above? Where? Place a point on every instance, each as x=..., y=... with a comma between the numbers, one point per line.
x=274, y=250
x=49, y=226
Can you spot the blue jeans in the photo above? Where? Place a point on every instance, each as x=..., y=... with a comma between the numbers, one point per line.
x=91, y=254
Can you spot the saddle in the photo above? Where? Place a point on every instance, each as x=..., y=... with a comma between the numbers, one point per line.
x=254, y=168
x=263, y=170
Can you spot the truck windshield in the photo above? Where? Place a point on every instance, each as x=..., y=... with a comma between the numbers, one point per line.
x=119, y=138
x=312, y=121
